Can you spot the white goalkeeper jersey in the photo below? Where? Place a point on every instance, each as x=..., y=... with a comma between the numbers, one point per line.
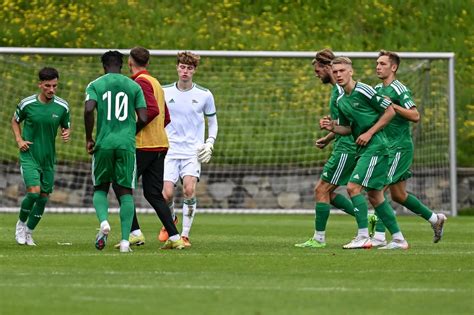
x=187, y=110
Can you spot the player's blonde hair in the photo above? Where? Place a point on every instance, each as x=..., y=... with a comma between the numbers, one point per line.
x=341, y=60
x=188, y=58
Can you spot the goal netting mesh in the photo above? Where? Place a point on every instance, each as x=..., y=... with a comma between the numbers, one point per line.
x=268, y=110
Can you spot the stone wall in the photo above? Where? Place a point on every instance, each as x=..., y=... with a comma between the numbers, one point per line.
x=235, y=188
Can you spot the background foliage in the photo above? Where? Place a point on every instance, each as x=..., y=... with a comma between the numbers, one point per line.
x=362, y=25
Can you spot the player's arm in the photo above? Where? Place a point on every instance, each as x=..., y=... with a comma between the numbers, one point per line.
x=328, y=124
x=89, y=124
x=66, y=126
x=410, y=114
x=324, y=141
x=22, y=144
x=205, y=151
x=141, y=118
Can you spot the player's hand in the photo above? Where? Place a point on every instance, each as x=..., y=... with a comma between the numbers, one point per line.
x=24, y=145
x=204, y=153
x=321, y=143
x=90, y=146
x=364, y=139
x=326, y=123
x=65, y=134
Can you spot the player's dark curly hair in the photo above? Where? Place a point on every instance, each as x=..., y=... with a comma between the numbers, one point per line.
x=112, y=58
x=48, y=73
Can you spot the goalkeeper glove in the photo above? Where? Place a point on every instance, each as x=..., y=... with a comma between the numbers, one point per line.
x=204, y=153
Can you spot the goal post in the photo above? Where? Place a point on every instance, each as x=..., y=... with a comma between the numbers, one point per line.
x=268, y=108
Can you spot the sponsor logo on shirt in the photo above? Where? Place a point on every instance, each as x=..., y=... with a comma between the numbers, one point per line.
x=356, y=176
x=325, y=174
x=405, y=97
x=55, y=116
x=195, y=102
x=171, y=101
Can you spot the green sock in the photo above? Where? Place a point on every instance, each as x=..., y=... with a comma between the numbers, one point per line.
x=385, y=212
x=416, y=206
x=126, y=214
x=344, y=204
x=27, y=205
x=322, y=215
x=361, y=210
x=37, y=212
x=379, y=226
x=101, y=205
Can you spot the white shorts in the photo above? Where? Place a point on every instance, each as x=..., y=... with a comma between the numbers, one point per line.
x=178, y=168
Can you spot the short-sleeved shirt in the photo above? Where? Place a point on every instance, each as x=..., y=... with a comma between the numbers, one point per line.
x=398, y=130
x=41, y=123
x=117, y=98
x=361, y=110
x=187, y=111
x=342, y=144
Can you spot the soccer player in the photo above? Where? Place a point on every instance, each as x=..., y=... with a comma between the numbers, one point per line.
x=401, y=145
x=43, y=114
x=188, y=104
x=151, y=147
x=364, y=113
x=117, y=99
x=339, y=167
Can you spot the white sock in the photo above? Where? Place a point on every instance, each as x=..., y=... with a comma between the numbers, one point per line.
x=104, y=224
x=124, y=243
x=433, y=219
x=189, y=209
x=320, y=236
x=363, y=232
x=27, y=230
x=174, y=238
x=136, y=232
x=398, y=236
x=379, y=236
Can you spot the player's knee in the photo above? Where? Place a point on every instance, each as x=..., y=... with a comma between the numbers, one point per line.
x=322, y=191
x=399, y=197
x=188, y=193
x=353, y=189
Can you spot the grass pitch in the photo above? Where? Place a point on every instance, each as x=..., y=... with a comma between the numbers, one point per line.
x=238, y=264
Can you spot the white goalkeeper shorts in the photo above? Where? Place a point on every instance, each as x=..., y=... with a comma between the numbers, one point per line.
x=176, y=169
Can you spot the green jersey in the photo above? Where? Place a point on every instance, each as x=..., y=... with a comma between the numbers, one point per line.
x=41, y=123
x=342, y=144
x=117, y=98
x=398, y=130
x=361, y=110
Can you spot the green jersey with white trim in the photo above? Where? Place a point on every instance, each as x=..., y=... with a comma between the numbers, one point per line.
x=41, y=123
x=342, y=144
x=398, y=130
x=361, y=110
x=117, y=97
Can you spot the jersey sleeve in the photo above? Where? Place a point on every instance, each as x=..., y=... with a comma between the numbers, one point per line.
x=20, y=114
x=406, y=100
x=379, y=102
x=66, y=119
x=210, y=107
x=91, y=93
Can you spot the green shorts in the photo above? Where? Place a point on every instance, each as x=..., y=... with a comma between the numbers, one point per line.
x=400, y=163
x=114, y=166
x=371, y=171
x=36, y=175
x=338, y=168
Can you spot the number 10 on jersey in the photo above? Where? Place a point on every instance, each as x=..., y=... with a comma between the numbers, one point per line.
x=121, y=105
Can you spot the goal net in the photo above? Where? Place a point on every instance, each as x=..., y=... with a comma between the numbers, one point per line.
x=268, y=109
